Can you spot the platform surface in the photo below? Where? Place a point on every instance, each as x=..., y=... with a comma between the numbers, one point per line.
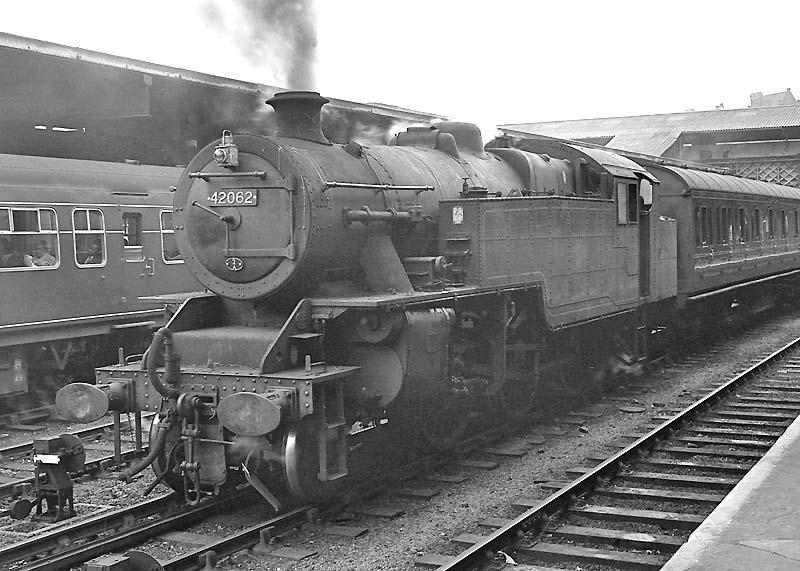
x=757, y=525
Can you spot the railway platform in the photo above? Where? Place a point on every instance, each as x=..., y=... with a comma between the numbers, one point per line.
x=757, y=525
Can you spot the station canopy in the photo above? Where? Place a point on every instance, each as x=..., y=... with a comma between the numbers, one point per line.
x=61, y=101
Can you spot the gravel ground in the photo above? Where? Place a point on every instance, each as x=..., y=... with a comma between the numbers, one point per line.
x=428, y=525
x=91, y=496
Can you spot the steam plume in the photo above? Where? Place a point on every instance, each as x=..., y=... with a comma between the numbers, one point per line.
x=279, y=34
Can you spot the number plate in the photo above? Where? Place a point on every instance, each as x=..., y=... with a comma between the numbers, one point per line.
x=246, y=197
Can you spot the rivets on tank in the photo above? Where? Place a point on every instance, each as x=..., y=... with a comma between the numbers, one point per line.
x=224, y=388
x=305, y=393
x=307, y=405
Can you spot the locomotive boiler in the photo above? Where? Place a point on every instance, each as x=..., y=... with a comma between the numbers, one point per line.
x=421, y=282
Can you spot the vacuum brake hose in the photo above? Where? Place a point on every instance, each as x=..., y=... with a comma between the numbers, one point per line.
x=162, y=338
x=156, y=449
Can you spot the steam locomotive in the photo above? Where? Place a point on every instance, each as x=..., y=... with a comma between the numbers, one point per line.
x=420, y=282
x=79, y=242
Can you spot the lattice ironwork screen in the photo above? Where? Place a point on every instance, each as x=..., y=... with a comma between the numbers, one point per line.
x=779, y=170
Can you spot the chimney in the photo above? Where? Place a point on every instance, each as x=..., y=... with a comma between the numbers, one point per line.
x=298, y=115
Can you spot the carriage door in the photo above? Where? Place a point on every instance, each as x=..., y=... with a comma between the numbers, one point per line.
x=137, y=257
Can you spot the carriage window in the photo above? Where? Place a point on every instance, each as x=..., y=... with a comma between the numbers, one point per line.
x=698, y=234
x=132, y=236
x=726, y=227
x=89, y=234
x=703, y=228
x=744, y=235
x=796, y=225
x=169, y=247
x=132, y=229
x=784, y=224
x=28, y=238
x=756, y=225
x=770, y=230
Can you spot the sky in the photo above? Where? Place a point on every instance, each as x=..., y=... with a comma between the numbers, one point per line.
x=504, y=61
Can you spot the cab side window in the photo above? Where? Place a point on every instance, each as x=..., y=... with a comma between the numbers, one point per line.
x=89, y=233
x=29, y=238
x=627, y=203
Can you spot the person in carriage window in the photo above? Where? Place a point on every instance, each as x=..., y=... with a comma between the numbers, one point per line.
x=41, y=254
x=10, y=258
x=95, y=255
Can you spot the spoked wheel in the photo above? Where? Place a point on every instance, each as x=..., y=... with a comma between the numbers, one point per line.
x=301, y=465
x=166, y=466
x=442, y=421
x=172, y=456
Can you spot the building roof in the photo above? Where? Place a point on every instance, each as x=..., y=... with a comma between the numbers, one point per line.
x=654, y=134
x=48, y=52
x=70, y=102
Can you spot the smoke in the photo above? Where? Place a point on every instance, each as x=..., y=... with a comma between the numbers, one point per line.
x=279, y=35
x=343, y=126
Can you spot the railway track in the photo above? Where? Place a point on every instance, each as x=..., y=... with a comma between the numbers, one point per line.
x=634, y=509
x=67, y=546
x=71, y=545
x=16, y=460
x=75, y=542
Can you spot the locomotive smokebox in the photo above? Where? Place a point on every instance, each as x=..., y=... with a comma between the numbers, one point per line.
x=298, y=114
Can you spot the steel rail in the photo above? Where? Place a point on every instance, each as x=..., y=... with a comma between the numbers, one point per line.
x=62, y=537
x=536, y=518
x=79, y=554
x=16, y=488
x=25, y=447
x=255, y=537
